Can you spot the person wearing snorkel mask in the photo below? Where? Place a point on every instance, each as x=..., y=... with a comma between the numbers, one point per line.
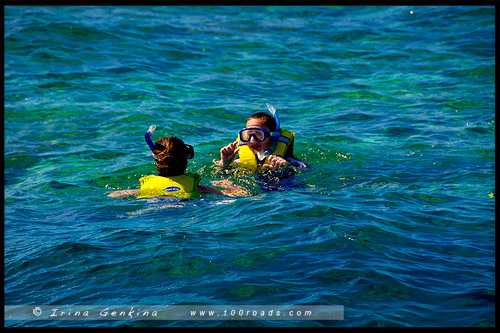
x=171, y=158
x=262, y=144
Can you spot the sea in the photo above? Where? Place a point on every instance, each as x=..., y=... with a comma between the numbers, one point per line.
x=393, y=109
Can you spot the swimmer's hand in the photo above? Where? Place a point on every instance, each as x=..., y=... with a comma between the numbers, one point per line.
x=228, y=153
x=123, y=193
x=274, y=161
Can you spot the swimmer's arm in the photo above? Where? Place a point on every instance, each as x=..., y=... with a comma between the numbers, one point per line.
x=233, y=190
x=275, y=161
x=209, y=189
x=123, y=193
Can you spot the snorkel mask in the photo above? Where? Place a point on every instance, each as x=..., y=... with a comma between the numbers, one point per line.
x=260, y=135
x=151, y=145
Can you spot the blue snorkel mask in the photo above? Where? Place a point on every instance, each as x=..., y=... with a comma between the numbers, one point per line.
x=260, y=134
x=190, y=149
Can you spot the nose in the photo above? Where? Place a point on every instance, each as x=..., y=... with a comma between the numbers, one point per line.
x=252, y=138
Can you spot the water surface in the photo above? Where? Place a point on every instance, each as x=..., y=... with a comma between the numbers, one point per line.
x=393, y=111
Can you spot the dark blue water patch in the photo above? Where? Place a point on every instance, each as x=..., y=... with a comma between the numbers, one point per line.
x=400, y=131
x=66, y=256
x=73, y=33
x=49, y=57
x=20, y=161
x=357, y=117
x=56, y=186
x=478, y=129
x=16, y=168
x=74, y=249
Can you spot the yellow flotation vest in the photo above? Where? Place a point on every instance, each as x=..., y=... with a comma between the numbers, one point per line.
x=182, y=186
x=248, y=160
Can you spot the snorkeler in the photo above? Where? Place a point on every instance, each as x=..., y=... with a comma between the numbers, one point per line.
x=171, y=157
x=262, y=144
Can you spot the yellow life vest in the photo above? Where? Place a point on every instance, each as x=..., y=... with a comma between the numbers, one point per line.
x=182, y=186
x=248, y=160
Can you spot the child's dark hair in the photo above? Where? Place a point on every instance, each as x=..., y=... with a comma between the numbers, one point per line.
x=268, y=118
x=170, y=156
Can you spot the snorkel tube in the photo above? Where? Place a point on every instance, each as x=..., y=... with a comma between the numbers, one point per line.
x=148, y=137
x=277, y=131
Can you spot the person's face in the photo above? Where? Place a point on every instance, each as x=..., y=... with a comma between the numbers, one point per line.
x=259, y=146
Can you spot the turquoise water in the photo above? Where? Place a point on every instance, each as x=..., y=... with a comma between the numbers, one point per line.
x=393, y=110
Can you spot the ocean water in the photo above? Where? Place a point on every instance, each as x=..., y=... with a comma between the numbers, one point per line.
x=393, y=108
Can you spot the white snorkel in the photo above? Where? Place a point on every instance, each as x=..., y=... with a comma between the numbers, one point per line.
x=276, y=134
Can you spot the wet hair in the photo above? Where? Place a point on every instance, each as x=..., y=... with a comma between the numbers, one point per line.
x=268, y=118
x=170, y=156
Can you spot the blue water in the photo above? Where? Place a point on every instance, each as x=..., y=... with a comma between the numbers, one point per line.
x=393, y=110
